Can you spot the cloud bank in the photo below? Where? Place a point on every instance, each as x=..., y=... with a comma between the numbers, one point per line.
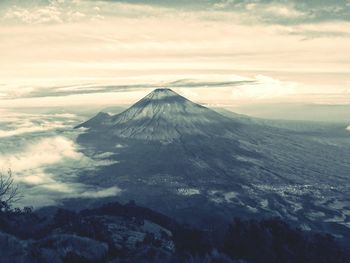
x=46, y=162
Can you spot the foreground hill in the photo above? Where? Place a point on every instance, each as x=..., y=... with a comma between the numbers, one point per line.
x=130, y=233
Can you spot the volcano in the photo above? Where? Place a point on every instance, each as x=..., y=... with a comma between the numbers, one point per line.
x=192, y=163
x=163, y=115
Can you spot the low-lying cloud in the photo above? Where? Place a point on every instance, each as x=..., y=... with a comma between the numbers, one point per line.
x=30, y=128
x=52, y=164
x=14, y=124
x=111, y=191
x=44, y=152
x=46, y=162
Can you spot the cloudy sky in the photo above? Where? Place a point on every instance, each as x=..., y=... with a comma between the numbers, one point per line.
x=75, y=52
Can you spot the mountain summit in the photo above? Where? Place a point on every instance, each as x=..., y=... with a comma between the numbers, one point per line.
x=162, y=115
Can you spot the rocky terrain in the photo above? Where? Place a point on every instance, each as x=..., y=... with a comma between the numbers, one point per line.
x=131, y=233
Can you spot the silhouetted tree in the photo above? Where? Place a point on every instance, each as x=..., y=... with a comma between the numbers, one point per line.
x=8, y=190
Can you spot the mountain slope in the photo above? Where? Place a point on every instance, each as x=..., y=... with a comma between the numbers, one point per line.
x=162, y=115
x=190, y=162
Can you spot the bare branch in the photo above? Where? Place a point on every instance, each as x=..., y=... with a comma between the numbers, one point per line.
x=8, y=190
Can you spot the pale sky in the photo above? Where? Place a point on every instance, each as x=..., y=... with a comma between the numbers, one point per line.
x=76, y=52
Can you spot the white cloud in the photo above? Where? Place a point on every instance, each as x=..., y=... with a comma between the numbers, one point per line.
x=348, y=128
x=30, y=163
x=30, y=128
x=257, y=11
x=265, y=88
x=104, y=155
x=46, y=165
x=223, y=4
x=58, y=12
x=47, y=168
x=42, y=153
x=14, y=124
x=48, y=14
x=111, y=191
x=284, y=11
x=188, y=191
